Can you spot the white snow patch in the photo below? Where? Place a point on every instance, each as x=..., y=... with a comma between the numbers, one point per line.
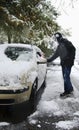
x=52, y=105
x=33, y=121
x=66, y=125
x=47, y=107
x=76, y=113
x=33, y=118
x=4, y=123
x=39, y=125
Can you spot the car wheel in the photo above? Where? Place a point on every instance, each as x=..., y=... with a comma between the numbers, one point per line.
x=33, y=92
x=44, y=83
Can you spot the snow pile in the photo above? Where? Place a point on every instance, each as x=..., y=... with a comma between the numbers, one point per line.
x=52, y=105
x=76, y=113
x=48, y=107
x=33, y=118
x=67, y=125
x=13, y=72
x=4, y=123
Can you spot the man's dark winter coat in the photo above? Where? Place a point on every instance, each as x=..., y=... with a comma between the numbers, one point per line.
x=66, y=52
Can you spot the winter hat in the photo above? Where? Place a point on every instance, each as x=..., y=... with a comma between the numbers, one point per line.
x=58, y=35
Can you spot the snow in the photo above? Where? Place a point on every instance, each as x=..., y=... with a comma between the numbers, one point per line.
x=12, y=67
x=66, y=125
x=39, y=126
x=4, y=123
x=14, y=72
x=52, y=105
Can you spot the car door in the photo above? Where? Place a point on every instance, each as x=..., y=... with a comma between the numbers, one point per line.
x=41, y=67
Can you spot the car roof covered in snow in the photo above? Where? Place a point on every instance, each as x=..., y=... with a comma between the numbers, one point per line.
x=31, y=46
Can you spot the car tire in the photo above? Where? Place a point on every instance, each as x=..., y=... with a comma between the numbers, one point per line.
x=44, y=83
x=33, y=92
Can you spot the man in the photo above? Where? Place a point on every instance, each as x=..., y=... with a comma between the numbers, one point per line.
x=66, y=52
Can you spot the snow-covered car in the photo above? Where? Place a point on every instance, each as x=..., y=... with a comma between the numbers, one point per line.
x=22, y=72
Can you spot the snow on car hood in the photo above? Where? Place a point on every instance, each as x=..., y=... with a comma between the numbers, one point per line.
x=12, y=71
x=14, y=67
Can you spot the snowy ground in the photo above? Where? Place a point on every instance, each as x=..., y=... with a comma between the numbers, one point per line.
x=51, y=105
x=52, y=112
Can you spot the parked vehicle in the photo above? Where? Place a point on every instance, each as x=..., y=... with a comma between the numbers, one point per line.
x=22, y=72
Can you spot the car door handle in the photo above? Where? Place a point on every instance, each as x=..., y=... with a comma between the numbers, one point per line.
x=40, y=62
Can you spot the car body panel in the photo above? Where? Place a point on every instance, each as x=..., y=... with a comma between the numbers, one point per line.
x=20, y=66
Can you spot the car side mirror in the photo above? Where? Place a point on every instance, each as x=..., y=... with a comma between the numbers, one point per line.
x=38, y=62
x=41, y=61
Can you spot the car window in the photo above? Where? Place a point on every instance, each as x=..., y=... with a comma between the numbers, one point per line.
x=27, y=56
x=19, y=53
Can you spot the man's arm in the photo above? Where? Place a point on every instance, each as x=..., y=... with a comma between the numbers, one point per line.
x=54, y=56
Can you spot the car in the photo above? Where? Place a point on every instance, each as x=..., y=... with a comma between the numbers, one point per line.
x=22, y=72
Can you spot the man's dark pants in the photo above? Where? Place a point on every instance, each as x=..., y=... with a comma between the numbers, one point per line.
x=66, y=76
